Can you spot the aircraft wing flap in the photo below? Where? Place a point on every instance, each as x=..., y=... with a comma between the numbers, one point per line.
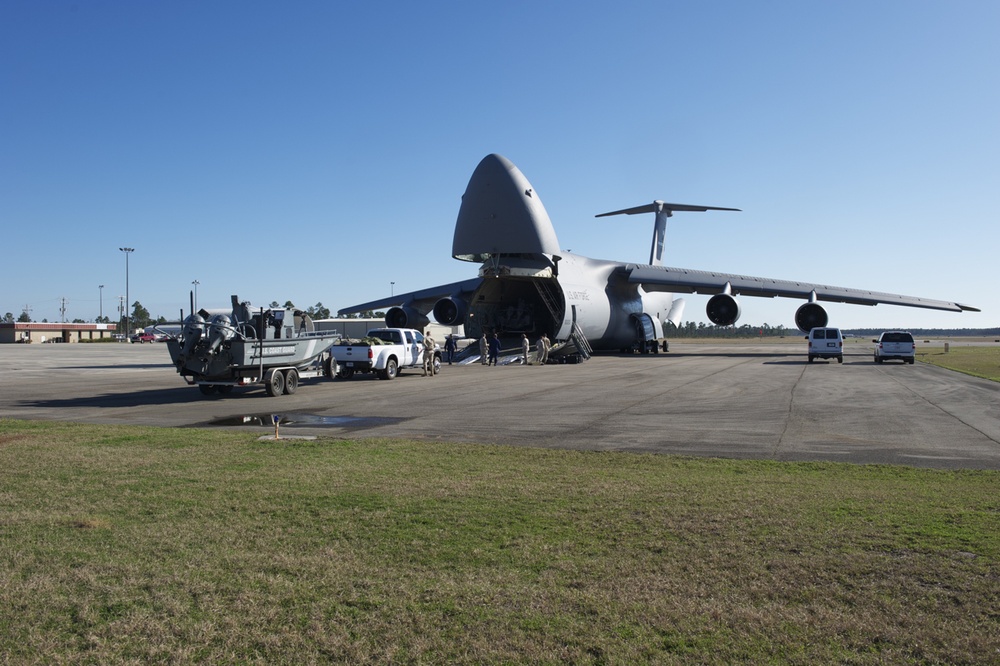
x=664, y=278
x=423, y=300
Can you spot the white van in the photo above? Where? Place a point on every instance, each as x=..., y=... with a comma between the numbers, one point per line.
x=826, y=343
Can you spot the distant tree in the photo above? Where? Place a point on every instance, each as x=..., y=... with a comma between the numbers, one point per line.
x=274, y=304
x=24, y=318
x=139, y=316
x=289, y=305
x=8, y=318
x=318, y=311
x=79, y=321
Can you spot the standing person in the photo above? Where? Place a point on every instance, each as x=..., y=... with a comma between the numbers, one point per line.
x=483, y=348
x=429, y=354
x=525, y=346
x=494, y=350
x=449, y=346
x=545, y=349
x=540, y=350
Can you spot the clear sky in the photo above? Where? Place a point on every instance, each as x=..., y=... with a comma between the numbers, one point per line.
x=317, y=151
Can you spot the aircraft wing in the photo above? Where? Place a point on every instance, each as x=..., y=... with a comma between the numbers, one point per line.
x=664, y=278
x=422, y=300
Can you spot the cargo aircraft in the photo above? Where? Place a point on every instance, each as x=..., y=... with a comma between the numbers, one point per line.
x=528, y=284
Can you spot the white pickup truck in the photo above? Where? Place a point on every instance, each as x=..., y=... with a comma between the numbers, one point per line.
x=399, y=348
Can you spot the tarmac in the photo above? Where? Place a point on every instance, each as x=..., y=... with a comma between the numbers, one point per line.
x=750, y=401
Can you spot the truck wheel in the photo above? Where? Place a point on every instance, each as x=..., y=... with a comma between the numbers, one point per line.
x=345, y=373
x=437, y=365
x=274, y=384
x=840, y=359
x=391, y=369
x=291, y=381
x=207, y=389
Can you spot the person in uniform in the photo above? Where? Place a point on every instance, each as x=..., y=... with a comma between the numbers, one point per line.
x=428, y=355
x=449, y=347
x=525, y=347
x=494, y=351
x=483, y=349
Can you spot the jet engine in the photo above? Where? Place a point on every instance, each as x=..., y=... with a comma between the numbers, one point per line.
x=450, y=311
x=810, y=316
x=406, y=317
x=723, y=310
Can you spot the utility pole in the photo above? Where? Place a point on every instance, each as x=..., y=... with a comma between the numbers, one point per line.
x=195, y=283
x=62, y=310
x=127, y=251
x=101, y=287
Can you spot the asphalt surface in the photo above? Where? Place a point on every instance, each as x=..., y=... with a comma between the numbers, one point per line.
x=716, y=400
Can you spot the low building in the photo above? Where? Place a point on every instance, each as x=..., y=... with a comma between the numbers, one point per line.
x=36, y=332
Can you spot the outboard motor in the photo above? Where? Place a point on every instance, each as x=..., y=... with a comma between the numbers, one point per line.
x=194, y=328
x=220, y=330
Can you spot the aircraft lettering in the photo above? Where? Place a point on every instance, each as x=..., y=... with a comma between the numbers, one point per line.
x=578, y=295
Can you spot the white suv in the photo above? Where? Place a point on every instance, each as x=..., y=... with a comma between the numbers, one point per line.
x=895, y=345
x=826, y=343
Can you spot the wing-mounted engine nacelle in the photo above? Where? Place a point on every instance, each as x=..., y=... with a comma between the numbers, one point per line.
x=450, y=311
x=810, y=316
x=406, y=317
x=723, y=310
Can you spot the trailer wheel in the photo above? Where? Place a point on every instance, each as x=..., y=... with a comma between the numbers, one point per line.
x=291, y=381
x=224, y=389
x=331, y=367
x=274, y=383
x=207, y=389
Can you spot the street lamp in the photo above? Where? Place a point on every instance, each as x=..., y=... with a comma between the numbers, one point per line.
x=195, y=283
x=392, y=288
x=127, y=251
x=101, y=287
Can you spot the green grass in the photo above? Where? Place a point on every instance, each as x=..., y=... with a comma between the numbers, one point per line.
x=976, y=361
x=126, y=544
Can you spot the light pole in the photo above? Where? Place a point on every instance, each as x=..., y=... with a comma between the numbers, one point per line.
x=127, y=251
x=101, y=318
x=392, y=289
x=195, y=283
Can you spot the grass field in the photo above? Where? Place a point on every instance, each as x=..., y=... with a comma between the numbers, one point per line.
x=126, y=544
x=976, y=361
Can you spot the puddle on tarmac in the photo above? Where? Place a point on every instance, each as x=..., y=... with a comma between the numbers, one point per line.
x=305, y=420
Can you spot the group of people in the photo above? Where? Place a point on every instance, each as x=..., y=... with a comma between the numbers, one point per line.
x=489, y=350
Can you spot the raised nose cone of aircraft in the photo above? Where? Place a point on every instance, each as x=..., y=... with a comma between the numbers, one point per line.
x=501, y=214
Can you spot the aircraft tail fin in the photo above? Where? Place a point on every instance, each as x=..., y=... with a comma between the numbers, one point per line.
x=663, y=210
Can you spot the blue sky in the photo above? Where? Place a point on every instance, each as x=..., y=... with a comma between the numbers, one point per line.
x=317, y=151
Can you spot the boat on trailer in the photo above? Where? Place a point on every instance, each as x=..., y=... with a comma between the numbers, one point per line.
x=276, y=347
